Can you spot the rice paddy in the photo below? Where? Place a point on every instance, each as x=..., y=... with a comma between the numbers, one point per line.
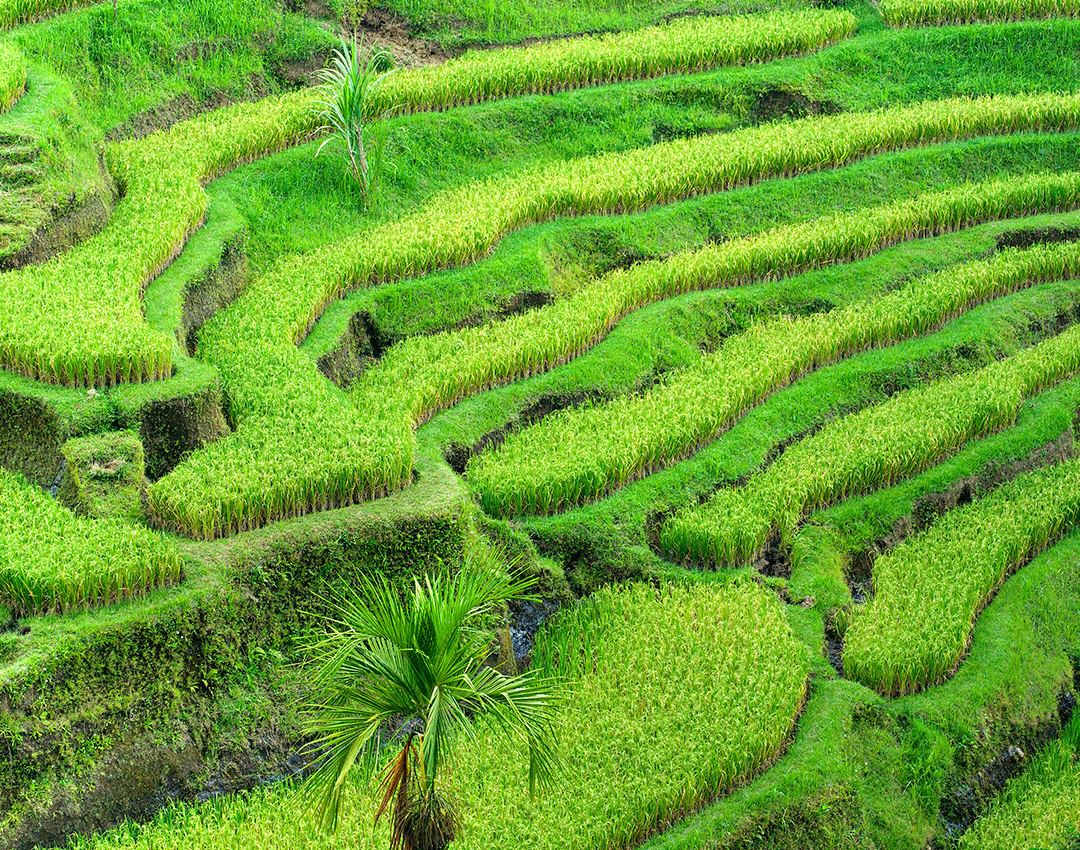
x=679, y=319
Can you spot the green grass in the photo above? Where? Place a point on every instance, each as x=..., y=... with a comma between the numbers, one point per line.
x=426, y=154
x=696, y=687
x=562, y=255
x=899, y=13
x=888, y=764
x=479, y=21
x=822, y=549
x=628, y=357
x=580, y=455
x=864, y=771
x=1040, y=808
x=47, y=130
x=252, y=342
x=12, y=75
x=154, y=52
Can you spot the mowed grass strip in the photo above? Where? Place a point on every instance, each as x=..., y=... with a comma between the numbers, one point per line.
x=253, y=341
x=683, y=46
x=930, y=589
x=864, y=451
x=12, y=75
x=579, y=455
x=52, y=561
x=922, y=13
x=696, y=689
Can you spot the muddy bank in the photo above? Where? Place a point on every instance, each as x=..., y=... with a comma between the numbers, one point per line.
x=365, y=340
x=972, y=794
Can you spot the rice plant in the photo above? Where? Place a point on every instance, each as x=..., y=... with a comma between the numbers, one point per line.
x=921, y=13
x=929, y=591
x=579, y=455
x=694, y=690
x=253, y=342
x=52, y=561
x=683, y=46
x=12, y=75
x=867, y=450
x=15, y=12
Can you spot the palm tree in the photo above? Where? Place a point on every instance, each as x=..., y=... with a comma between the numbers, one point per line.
x=386, y=658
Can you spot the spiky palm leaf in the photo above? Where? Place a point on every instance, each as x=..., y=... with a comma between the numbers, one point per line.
x=385, y=658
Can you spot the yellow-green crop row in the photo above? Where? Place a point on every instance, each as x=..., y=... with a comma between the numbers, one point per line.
x=921, y=13
x=253, y=341
x=77, y=319
x=462, y=225
x=681, y=47
x=15, y=12
x=1039, y=808
x=870, y=449
x=929, y=591
x=12, y=75
x=579, y=455
x=426, y=374
x=696, y=688
x=307, y=450
x=52, y=561
x=98, y=283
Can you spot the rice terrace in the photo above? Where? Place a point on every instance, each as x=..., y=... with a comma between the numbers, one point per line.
x=540, y=426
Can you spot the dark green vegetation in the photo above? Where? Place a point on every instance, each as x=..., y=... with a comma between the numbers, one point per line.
x=113, y=712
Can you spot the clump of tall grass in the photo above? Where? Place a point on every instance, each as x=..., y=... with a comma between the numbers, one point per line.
x=866, y=450
x=15, y=12
x=52, y=561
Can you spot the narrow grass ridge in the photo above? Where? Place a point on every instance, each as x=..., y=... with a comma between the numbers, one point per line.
x=52, y=561
x=867, y=450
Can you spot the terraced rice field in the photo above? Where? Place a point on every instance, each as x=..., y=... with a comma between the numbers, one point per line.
x=751, y=333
